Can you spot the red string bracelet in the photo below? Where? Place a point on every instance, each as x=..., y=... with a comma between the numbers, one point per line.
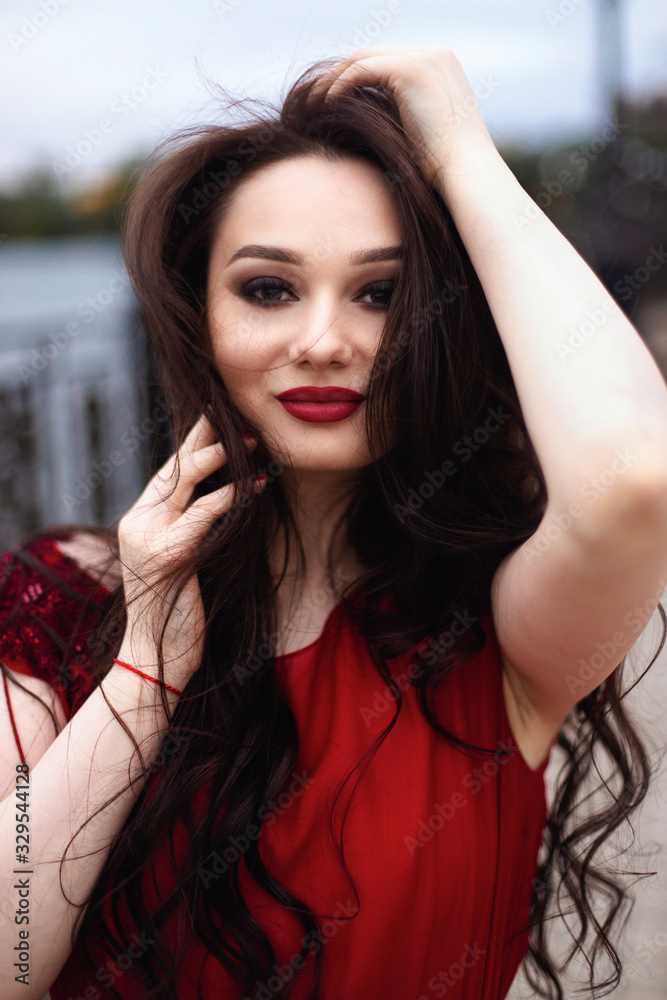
x=148, y=677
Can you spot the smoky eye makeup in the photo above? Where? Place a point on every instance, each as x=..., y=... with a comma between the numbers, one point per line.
x=269, y=291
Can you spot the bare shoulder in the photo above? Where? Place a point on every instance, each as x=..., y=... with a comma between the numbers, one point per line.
x=94, y=556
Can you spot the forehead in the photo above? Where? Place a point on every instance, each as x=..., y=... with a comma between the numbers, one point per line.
x=313, y=199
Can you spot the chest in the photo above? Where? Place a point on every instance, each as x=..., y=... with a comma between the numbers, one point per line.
x=532, y=735
x=302, y=627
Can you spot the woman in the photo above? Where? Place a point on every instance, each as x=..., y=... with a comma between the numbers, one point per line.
x=413, y=594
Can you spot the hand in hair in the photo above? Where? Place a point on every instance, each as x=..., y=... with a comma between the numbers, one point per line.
x=155, y=535
x=438, y=108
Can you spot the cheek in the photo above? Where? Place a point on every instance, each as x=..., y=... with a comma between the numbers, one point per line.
x=243, y=343
x=244, y=375
x=241, y=358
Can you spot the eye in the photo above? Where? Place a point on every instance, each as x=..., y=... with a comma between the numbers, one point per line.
x=266, y=292
x=267, y=286
x=382, y=288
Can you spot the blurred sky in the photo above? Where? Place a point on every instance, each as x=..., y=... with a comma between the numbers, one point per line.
x=83, y=57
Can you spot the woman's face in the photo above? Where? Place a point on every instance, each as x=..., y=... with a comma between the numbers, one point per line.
x=290, y=305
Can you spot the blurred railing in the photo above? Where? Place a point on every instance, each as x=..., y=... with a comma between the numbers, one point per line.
x=75, y=426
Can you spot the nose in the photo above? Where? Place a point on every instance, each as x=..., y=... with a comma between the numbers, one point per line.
x=322, y=334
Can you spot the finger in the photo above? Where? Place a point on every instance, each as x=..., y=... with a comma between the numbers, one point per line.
x=197, y=519
x=366, y=52
x=351, y=63
x=195, y=467
x=211, y=502
x=192, y=469
x=200, y=434
x=328, y=78
x=329, y=75
x=360, y=71
x=173, y=483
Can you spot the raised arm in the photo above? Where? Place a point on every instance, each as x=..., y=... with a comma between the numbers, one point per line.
x=571, y=601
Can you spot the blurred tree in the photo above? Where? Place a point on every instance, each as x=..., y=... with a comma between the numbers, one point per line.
x=608, y=196
x=39, y=208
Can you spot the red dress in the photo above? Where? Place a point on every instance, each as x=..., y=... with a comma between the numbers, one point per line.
x=441, y=847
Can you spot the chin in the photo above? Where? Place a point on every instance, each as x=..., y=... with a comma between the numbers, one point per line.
x=332, y=456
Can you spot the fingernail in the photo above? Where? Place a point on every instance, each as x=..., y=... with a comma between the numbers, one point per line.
x=260, y=479
x=249, y=438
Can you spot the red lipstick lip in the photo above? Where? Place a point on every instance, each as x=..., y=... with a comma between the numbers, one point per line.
x=321, y=413
x=326, y=394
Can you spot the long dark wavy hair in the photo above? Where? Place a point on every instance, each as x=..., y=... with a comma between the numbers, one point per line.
x=438, y=373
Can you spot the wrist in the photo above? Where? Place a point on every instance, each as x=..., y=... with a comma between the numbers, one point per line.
x=140, y=660
x=148, y=677
x=488, y=205
x=129, y=692
x=476, y=162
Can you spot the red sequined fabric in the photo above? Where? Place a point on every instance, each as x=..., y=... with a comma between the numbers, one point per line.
x=49, y=609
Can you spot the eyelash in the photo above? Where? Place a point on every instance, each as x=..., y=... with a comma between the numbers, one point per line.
x=261, y=284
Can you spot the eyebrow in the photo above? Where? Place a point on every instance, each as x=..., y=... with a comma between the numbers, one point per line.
x=373, y=256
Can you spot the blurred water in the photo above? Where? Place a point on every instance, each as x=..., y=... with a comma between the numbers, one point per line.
x=50, y=278
x=71, y=384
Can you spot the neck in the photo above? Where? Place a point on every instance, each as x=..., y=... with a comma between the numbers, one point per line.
x=318, y=501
